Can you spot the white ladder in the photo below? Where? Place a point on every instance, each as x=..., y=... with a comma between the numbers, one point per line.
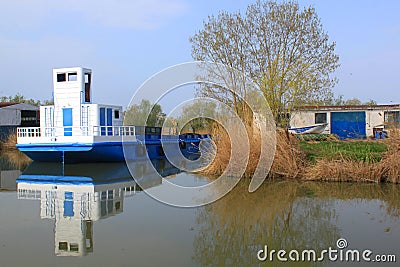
x=49, y=121
x=85, y=119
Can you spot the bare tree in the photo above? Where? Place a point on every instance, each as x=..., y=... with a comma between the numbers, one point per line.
x=281, y=47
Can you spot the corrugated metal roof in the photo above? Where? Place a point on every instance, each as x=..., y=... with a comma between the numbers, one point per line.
x=6, y=104
x=350, y=107
x=18, y=106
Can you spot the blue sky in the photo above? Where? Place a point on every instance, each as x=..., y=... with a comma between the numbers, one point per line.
x=125, y=42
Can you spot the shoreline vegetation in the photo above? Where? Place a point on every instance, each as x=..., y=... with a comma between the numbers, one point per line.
x=9, y=151
x=302, y=158
x=320, y=158
x=9, y=143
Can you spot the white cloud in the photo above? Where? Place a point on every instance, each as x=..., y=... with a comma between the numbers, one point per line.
x=131, y=14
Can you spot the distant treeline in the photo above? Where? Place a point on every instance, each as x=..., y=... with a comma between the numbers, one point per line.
x=340, y=101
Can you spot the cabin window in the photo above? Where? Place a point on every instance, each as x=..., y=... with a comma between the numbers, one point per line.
x=72, y=77
x=110, y=194
x=74, y=247
x=88, y=79
x=116, y=114
x=61, y=77
x=320, y=118
x=63, y=246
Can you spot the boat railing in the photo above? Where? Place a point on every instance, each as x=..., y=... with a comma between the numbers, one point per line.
x=114, y=130
x=33, y=132
x=28, y=132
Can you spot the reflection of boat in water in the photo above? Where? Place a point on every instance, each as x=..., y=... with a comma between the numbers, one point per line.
x=80, y=194
x=312, y=129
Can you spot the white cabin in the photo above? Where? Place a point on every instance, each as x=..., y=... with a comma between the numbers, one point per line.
x=73, y=110
x=74, y=114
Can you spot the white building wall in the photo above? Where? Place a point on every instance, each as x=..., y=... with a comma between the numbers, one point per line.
x=374, y=119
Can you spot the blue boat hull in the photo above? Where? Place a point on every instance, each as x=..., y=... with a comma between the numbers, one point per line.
x=103, y=151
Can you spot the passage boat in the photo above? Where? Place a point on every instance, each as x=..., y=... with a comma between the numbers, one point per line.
x=75, y=130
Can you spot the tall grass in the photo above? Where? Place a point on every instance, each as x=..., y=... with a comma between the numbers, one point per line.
x=367, y=162
x=12, y=154
x=367, y=151
x=19, y=160
x=288, y=162
x=340, y=161
x=10, y=142
x=223, y=153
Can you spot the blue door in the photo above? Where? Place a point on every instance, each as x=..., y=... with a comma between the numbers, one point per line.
x=67, y=121
x=69, y=204
x=348, y=124
x=109, y=121
x=103, y=120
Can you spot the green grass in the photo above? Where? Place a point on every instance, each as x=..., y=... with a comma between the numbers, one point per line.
x=316, y=137
x=367, y=151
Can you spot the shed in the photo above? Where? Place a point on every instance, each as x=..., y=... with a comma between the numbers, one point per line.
x=13, y=115
x=348, y=121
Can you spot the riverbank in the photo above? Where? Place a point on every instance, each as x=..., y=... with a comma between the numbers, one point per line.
x=322, y=159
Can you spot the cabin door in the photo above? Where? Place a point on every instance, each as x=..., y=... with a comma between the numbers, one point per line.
x=69, y=204
x=103, y=121
x=67, y=121
x=109, y=121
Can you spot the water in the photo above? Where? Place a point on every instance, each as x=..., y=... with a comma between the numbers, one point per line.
x=113, y=223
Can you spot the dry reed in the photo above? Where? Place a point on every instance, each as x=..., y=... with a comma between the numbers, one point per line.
x=347, y=170
x=17, y=159
x=288, y=161
x=10, y=142
x=223, y=152
x=291, y=163
x=344, y=170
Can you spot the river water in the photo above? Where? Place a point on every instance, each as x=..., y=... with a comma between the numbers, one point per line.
x=111, y=221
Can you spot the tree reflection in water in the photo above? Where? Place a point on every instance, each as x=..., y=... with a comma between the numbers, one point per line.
x=283, y=215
